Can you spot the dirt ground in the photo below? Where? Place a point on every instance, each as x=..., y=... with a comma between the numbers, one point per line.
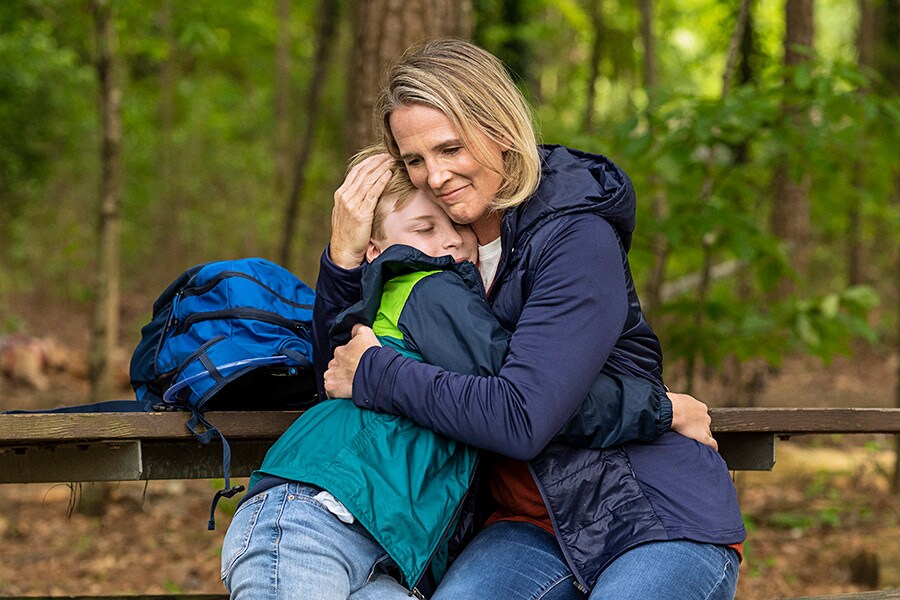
x=823, y=521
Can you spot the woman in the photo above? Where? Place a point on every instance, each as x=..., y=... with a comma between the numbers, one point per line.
x=655, y=520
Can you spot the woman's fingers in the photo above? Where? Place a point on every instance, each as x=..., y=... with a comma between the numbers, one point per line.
x=690, y=418
x=361, y=178
x=354, y=208
x=338, y=379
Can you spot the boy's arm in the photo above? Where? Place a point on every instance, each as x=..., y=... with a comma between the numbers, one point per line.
x=453, y=328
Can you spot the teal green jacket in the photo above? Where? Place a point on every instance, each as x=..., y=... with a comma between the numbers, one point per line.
x=403, y=482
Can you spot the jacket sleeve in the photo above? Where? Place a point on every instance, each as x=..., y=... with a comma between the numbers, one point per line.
x=453, y=327
x=336, y=289
x=618, y=409
x=574, y=305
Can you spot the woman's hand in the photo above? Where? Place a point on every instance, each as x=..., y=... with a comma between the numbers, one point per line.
x=690, y=418
x=354, y=207
x=342, y=368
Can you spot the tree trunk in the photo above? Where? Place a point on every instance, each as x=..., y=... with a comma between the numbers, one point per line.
x=887, y=63
x=791, y=210
x=327, y=19
x=105, y=327
x=709, y=238
x=165, y=237
x=865, y=45
x=660, y=203
x=895, y=484
x=282, y=99
x=105, y=331
x=596, y=11
x=382, y=31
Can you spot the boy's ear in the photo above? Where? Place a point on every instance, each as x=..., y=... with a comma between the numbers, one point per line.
x=373, y=251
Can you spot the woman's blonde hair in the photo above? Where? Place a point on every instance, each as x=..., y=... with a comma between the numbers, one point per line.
x=396, y=194
x=472, y=88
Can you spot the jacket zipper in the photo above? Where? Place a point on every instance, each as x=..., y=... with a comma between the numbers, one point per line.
x=200, y=289
x=255, y=314
x=579, y=580
x=448, y=529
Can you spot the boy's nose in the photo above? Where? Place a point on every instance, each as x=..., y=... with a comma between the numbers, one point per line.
x=454, y=240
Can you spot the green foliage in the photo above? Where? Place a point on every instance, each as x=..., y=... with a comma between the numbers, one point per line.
x=712, y=159
x=733, y=145
x=42, y=86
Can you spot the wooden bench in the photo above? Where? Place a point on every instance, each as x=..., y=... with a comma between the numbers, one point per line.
x=60, y=447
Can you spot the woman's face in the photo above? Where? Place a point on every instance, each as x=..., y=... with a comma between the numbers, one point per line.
x=439, y=163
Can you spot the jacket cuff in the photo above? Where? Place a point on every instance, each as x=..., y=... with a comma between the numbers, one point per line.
x=664, y=421
x=336, y=285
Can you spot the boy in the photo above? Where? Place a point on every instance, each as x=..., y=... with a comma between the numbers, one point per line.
x=378, y=492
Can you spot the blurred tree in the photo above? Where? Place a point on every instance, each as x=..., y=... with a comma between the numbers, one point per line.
x=382, y=31
x=865, y=46
x=791, y=209
x=595, y=10
x=282, y=95
x=327, y=17
x=105, y=329
x=709, y=238
x=167, y=203
x=659, y=202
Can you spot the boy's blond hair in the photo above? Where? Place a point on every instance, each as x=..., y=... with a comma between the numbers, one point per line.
x=395, y=196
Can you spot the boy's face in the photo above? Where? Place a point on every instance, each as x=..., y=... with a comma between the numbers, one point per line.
x=424, y=226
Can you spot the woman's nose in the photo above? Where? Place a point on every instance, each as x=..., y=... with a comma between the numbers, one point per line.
x=437, y=176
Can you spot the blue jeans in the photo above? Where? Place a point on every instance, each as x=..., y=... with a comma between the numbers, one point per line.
x=283, y=544
x=520, y=561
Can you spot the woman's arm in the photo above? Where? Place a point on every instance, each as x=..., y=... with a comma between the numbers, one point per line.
x=567, y=328
x=452, y=327
x=340, y=271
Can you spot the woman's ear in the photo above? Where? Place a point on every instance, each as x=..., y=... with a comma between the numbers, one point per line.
x=373, y=251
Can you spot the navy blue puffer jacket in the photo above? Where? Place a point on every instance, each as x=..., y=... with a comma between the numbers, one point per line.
x=564, y=289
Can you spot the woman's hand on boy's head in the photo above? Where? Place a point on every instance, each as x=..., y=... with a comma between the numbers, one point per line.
x=354, y=208
x=342, y=368
x=690, y=418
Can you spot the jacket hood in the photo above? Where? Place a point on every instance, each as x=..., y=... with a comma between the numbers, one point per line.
x=394, y=261
x=573, y=181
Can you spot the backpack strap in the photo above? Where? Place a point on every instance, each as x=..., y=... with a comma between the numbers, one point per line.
x=298, y=357
x=204, y=438
x=216, y=365
x=107, y=406
x=203, y=376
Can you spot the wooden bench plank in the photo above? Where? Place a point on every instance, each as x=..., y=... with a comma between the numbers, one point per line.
x=54, y=447
x=788, y=421
x=60, y=427
x=31, y=428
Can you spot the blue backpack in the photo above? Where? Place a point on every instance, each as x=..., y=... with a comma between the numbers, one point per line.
x=227, y=335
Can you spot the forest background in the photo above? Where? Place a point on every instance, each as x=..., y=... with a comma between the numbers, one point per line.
x=140, y=138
